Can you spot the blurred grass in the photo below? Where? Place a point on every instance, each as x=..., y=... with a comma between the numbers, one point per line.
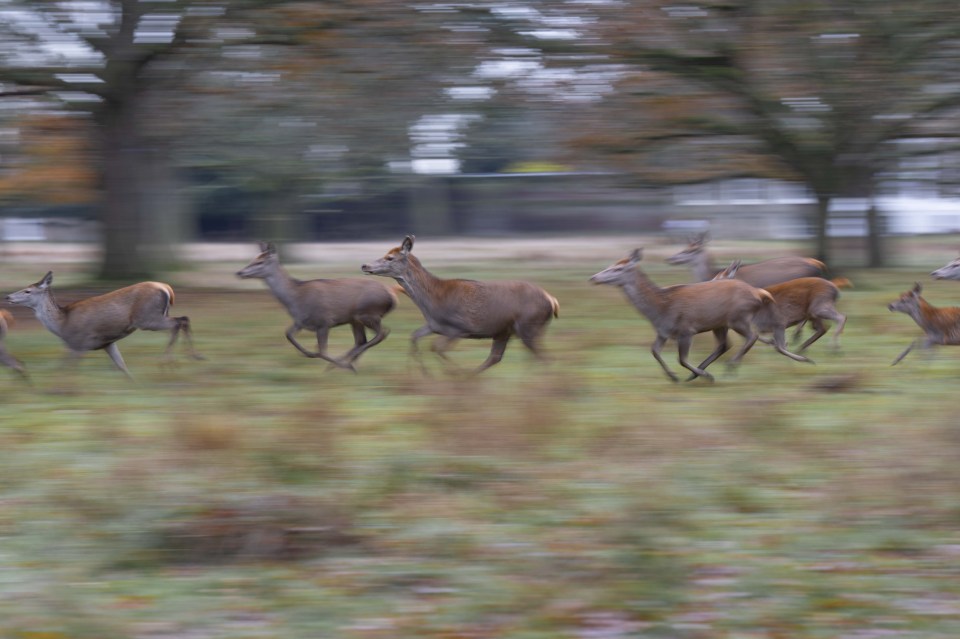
x=257, y=494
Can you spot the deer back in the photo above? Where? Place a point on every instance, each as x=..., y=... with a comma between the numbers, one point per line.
x=336, y=301
x=116, y=313
x=487, y=308
x=943, y=322
x=780, y=269
x=704, y=306
x=796, y=297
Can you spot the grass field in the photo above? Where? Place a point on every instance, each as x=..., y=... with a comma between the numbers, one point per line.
x=257, y=494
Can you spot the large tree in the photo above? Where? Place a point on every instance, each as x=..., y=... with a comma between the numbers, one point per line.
x=814, y=92
x=268, y=90
x=105, y=58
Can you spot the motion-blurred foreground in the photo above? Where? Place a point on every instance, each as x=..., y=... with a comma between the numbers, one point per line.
x=258, y=494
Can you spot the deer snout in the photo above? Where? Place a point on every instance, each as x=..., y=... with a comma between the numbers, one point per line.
x=367, y=268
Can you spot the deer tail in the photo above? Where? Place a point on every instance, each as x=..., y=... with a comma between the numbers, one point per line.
x=554, y=304
x=842, y=282
x=6, y=319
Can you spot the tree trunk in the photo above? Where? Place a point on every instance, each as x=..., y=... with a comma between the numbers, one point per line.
x=821, y=222
x=876, y=256
x=121, y=214
x=119, y=210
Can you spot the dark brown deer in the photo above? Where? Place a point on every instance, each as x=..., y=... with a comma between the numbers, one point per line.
x=455, y=308
x=761, y=274
x=950, y=271
x=100, y=322
x=682, y=311
x=940, y=325
x=6, y=319
x=320, y=305
x=804, y=299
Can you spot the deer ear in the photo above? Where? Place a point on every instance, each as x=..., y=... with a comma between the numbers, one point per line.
x=636, y=255
x=407, y=244
x=264, y=246
x=47, y=279
x=917, y=288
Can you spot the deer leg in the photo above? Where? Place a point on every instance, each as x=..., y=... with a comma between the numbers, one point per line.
x=360, y=336
x=184, y=325
x=683, y=348
x=323, y=333
x=780, y=344
x=359, y=339
x=440, y=347
x=321, y=344
x=496, y=352
x=841, y=320
x=904, y=353
x=920, y=341
x=530, y=336
x=723, y=345
x=655, y=349
x=750, y=336
x=836, y=316
x=819, y=330
x=419, y=334
x=798, y=332
x=14, y=363
x=175, y=325
x=114, y=352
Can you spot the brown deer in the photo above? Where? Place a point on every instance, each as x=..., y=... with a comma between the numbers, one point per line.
x=950, y=271
x=455, y=308
x=6, y=319
x=682, y=311
x=100, y=322
x=804, y=299
x=761, y=274
x=320, y=305
x=941, y=325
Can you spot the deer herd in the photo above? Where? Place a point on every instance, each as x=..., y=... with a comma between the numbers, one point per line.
x=754, y=300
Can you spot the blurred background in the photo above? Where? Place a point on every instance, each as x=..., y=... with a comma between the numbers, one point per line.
x=138, y=125
x=256, y=494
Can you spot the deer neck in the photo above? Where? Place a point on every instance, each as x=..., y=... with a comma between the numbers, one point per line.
x=421, y=285
x=703, y=267
x=50, y=314
x=929, y=318
x=646, y=296
x=283, y=287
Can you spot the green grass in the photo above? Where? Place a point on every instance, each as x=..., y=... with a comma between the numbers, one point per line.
x=258, y=494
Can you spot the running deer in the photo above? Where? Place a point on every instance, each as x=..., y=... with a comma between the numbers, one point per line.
x=804, y=299
x=5, y=357
x=941, y=325
x=682, y=311
x=319, y=305
x=457, y=309
x=100, y=322
x=761, y=274
x=949, y=272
